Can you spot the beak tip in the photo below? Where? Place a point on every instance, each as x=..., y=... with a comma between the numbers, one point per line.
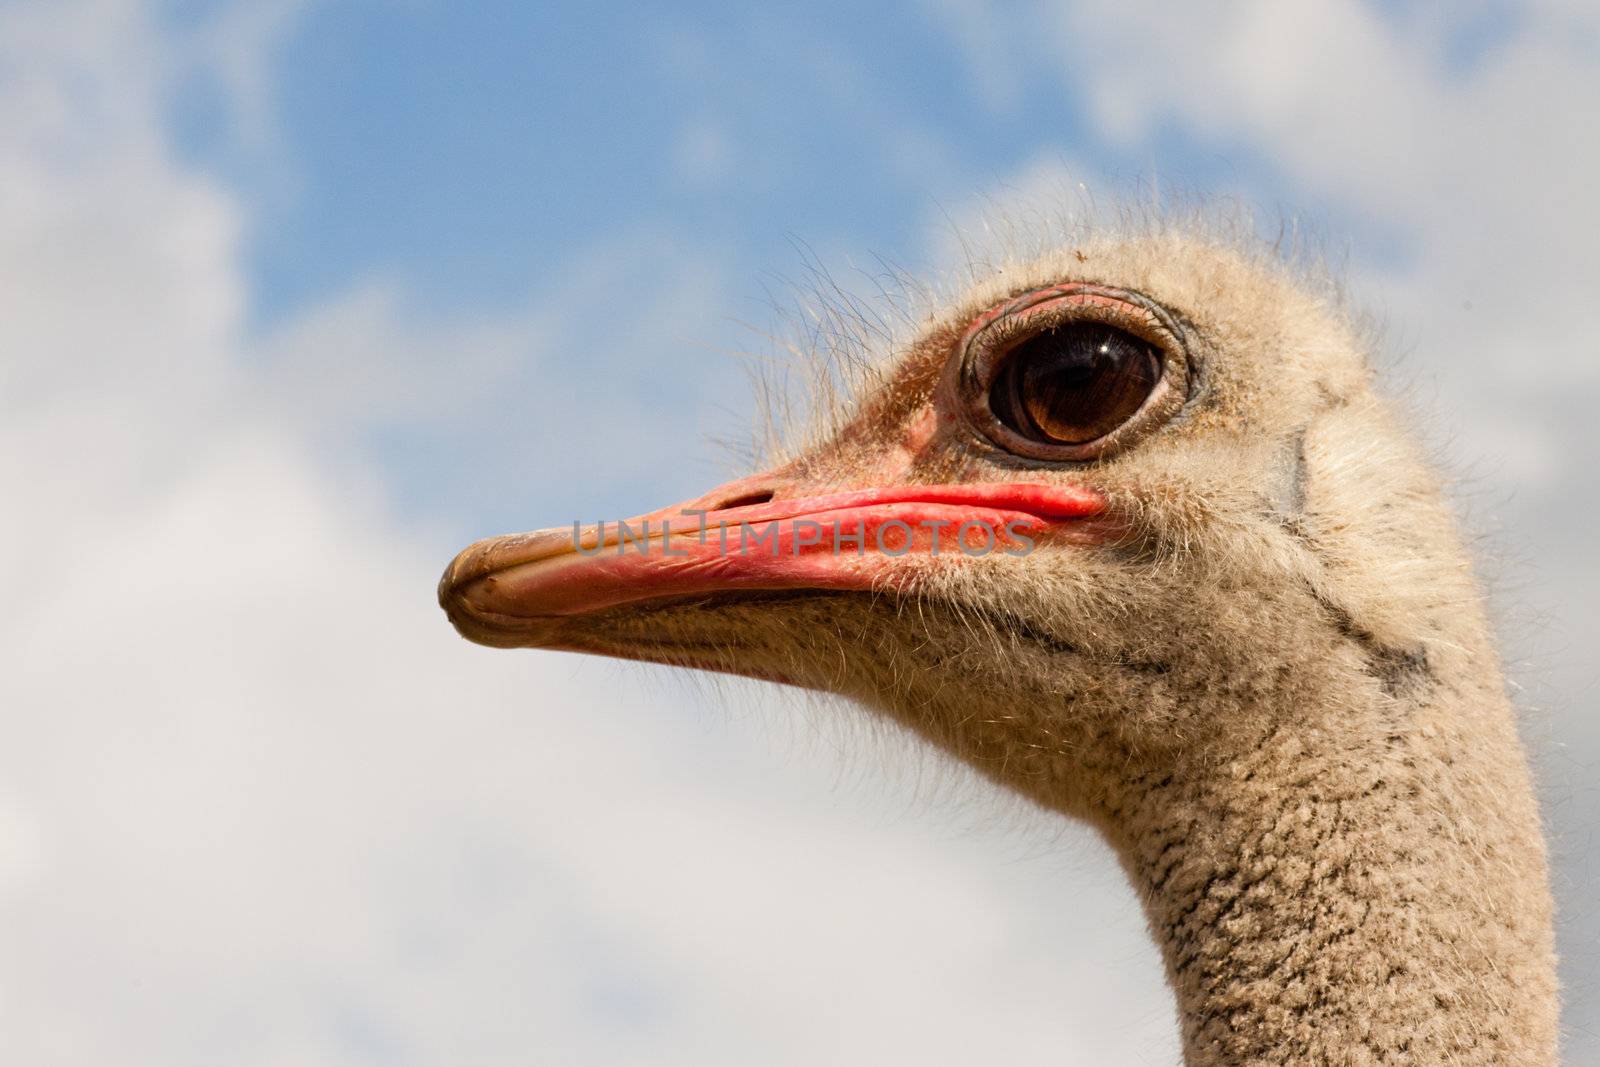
x=466, y=591
x=459, y=577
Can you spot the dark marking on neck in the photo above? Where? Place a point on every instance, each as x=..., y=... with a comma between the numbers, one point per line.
x=1396, y=669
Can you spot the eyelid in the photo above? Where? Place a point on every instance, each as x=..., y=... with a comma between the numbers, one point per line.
x=1076, y=303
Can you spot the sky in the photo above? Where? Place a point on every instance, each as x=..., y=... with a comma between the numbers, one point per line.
x=300, y=297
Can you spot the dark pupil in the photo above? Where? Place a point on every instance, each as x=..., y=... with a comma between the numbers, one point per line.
x=1074, y=383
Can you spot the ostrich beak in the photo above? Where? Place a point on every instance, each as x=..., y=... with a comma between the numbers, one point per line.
x=527, y=590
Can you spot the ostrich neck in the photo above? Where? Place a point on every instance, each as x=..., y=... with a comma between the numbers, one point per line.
x=1373, y=893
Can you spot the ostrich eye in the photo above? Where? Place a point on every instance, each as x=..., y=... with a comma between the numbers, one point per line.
x=1073, y=383
x=1071, y=373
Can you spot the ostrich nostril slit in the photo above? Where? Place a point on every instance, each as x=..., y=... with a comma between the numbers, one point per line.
x=744, y=500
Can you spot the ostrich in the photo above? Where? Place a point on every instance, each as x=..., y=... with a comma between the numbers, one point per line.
x=1128, y=529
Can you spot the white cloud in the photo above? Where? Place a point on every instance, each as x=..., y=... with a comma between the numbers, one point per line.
x=237, y=45
x=258, y=805
x=586, y=374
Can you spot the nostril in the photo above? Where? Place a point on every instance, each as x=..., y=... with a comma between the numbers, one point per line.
x=744, y=500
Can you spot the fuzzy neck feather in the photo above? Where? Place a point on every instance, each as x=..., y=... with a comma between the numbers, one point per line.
x=1370, y=893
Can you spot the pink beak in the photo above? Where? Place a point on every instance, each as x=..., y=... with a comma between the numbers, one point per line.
x=518, y=590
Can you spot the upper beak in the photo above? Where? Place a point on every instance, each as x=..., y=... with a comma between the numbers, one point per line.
x=529, y=589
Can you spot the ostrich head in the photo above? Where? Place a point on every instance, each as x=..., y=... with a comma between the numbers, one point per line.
x=1158, y=450
x=1128, y=529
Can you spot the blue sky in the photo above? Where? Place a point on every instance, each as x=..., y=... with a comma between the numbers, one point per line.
x=467, y=149
x=303, y=294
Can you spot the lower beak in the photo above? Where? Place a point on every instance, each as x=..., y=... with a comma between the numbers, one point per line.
x=528, y=589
